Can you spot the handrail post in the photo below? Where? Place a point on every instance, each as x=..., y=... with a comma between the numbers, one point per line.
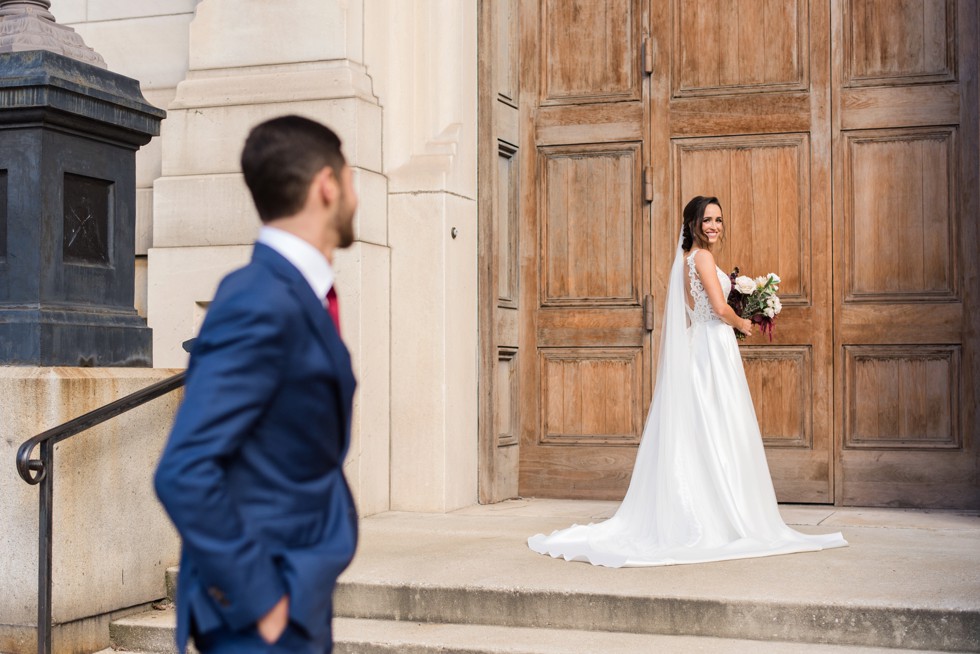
x=44, y=541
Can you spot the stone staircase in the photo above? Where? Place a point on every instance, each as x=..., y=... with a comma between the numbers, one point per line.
x=463, y=583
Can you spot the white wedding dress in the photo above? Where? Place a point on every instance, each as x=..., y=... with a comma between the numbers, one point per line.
x=701, y=489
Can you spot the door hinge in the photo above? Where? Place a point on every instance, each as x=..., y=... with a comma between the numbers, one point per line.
x=647, y=55
x=648, y=312
x=648, y=183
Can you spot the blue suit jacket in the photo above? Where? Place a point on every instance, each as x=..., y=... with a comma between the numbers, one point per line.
x=251, y=475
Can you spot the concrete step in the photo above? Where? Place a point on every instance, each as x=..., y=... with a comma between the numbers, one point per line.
x=397, y=637
x=908, y=580
x=153, y=632
x=466, y=582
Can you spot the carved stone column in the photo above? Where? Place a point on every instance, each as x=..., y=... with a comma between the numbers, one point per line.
x=28, y=25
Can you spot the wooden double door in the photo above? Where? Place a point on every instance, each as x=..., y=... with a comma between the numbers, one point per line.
x=841, y=138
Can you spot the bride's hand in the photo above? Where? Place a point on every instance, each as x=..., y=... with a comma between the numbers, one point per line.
x=745, y=327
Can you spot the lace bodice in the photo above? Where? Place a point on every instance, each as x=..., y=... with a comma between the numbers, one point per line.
x=702, y=311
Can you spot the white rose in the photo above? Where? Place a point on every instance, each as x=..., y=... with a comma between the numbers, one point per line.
x=775, y=278
x=745, y=285
x=769, y=312
x=761, y=281
x=777, y=306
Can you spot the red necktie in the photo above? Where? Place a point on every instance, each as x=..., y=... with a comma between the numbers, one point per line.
x=333, y=308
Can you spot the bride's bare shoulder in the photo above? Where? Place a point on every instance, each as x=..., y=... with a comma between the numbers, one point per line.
x=704, y=259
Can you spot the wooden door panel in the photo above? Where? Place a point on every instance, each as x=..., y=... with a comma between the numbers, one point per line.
x=499, y=287
x=758, y=113
x=909, y=106
x=906, y=164
x=780, y=380
x=565, y=472
x=739, y=47
x=590, y=252
x=585, y=247
x=505, y=211
x=903, y=397
x=749, y=122
x=591, y=395
x=589, y=52
x=906, y=179
x=906, y=41
x=763, y=184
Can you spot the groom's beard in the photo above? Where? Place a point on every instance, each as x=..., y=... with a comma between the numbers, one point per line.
x=345, y=222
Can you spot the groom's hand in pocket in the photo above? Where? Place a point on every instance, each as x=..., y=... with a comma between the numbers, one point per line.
x=272, y=625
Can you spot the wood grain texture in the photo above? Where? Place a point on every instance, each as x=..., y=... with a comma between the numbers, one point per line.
x=780, y=382
x=508, y=394
x=906, y=174
x=762, y=144
x=498, y=142
x=584, y=247
x=505, y=212
x=899, y=41
x=589, y=51
x=763, y=184
x=739, y=47
x=907, y=180
x=902, y=397
x=590, y=242
x=591, y=395
x=843, y=139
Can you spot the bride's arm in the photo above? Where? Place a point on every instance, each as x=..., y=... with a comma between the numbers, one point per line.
x=704, y=263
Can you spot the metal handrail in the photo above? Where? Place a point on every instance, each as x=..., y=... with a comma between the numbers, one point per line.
x=26, y=465
x=41, y=471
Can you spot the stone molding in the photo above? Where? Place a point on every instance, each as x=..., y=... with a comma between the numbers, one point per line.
x=28, y=25
x=280, y=83
x=43, y=84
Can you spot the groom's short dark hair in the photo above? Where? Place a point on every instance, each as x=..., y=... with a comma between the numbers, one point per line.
x=280, y=159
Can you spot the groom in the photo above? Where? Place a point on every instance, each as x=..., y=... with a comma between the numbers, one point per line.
x=251, y=475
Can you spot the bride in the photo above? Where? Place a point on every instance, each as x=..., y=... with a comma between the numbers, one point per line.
x=701, y=489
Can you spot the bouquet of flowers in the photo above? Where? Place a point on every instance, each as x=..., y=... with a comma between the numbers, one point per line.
x=756, y=300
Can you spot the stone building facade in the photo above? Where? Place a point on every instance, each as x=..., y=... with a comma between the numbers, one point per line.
x=397, y=80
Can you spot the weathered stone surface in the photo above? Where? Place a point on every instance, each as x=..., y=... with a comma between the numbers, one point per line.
x=27, y=25
x=363, y=282
x=434, y=338
x=907, y=580
x=112, y=540
x=466, y=582
x=182, y=282
x=67, y=148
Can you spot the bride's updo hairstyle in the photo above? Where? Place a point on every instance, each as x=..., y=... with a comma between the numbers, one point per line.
x=693, y=217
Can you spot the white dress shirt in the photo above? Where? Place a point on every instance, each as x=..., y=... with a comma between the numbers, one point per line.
x=308, y=260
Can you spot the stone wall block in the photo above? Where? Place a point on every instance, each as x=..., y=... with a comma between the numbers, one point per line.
x=371, y=224
x=434, y=350
x=116, y=9
x=140, y=277
x=232, y=33
x=152, y=50
x=462, y=353
x=203, y=210
x=69, y=11
x=144, y=220
x=363, y=278
x=112, y=540
x=418, y=399
x=182, y=282
x=208, y=141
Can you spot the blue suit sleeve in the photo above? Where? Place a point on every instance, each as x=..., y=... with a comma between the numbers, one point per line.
x=235, y=370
